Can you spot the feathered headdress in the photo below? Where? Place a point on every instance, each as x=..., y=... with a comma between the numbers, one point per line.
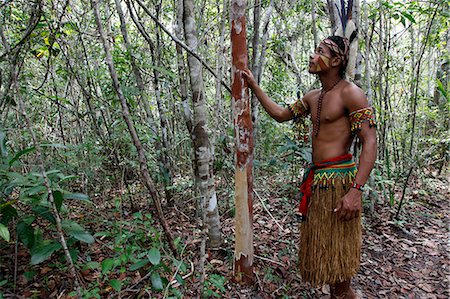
x=347, y=28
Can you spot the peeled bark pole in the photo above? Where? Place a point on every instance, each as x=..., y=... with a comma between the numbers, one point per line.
x=243, y=260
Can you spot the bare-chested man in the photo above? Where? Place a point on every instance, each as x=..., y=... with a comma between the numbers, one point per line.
x=330, y=235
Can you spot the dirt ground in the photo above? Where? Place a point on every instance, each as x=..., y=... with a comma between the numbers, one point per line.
x=403, y=258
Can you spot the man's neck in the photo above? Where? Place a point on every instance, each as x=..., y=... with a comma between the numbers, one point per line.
x=329, y=80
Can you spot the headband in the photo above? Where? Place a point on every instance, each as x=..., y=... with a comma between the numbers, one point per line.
x=336, y=50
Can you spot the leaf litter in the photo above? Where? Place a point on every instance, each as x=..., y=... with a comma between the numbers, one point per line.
x=405, y=258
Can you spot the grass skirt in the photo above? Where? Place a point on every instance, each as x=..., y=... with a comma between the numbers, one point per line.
x=329, y=247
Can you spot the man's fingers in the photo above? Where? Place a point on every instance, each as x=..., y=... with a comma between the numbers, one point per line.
x=338, y=207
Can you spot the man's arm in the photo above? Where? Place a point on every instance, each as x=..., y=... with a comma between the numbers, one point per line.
x=350, y=206
x=277, y=112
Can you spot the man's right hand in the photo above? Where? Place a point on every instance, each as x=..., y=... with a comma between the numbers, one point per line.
x=251, y=81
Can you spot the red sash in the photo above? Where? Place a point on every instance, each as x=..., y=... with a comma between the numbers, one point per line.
x=308, y=178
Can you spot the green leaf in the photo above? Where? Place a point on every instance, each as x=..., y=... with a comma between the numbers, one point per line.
x=156, y=281
x=58, y=198
x=116, y=284
x=91, y=265
x=138, y=265
x=36, y=190
x=3, y=151
x=20, y=154
x=57, y=145
x=4, y=232
x=409, y=17
x=3, y=282
x=44, y=213
x=77, y=231
x=25, y=232
x=43, y=251
x=154, y=256
x=107, y=265
x=441, y=89
x=79, y=196
x=66, y=177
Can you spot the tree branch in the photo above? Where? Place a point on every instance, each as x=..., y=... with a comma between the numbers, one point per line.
x=34, y=20
x=182, y=44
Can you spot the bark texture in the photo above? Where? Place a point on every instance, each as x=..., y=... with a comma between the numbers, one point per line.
x=202, y=147
x=243, y=266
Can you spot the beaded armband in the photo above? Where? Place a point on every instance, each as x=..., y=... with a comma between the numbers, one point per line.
x=298, y=110
x=358, y=117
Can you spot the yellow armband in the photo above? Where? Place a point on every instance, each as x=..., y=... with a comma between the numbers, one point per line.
x=358, y=117
x=298, y=110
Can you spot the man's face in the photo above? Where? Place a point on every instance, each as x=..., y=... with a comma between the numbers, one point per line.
x=320, y=60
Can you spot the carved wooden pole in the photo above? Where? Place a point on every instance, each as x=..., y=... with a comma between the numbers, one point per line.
x=243, y=263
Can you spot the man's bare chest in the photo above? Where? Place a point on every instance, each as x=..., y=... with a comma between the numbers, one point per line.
x=331, y=110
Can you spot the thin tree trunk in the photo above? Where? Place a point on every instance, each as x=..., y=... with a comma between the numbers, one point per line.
x=147, y=180
x=187, y=112
x=334, y=18
x=186, y=47
x=243, y=260
x=367, y=53
x=358, y=65
x=313, y=25
x=143, y=97
x=219, y=66
x=258, y=63
x=265, y=37
x=168, y=182
x=161, y=148
x=416, y=81
x=40, y=162
x=202, y=147
x=254, y=61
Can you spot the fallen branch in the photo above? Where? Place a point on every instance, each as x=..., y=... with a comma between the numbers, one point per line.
x=269, y=260
x=267, y=210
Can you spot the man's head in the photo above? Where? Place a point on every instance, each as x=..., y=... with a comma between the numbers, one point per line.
x=332, y=52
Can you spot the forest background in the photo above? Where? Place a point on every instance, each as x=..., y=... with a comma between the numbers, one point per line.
x=117, y=146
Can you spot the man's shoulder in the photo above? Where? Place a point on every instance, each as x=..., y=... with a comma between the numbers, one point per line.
x=353, y=96
x=311, y=94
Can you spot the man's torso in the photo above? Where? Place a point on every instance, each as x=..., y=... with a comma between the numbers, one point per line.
x=334, y=138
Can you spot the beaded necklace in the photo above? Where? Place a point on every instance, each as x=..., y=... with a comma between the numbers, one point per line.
x=319, y=107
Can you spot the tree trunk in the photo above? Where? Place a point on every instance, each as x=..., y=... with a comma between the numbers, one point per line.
x=243, y=263
x=417, y=76
x=219, y=67
x=368, y=85
x=202, y=147
x=358, y=65
x=145, y=176
x=187, y=112
x=313, y=25
x=161, y=148
x=334, y=18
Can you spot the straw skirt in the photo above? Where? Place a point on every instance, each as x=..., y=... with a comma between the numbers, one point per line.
x=329, y=250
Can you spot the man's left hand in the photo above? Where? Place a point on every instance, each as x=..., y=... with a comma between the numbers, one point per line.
x=350, y=205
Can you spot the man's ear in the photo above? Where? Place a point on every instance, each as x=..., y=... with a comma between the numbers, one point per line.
x=335, y=61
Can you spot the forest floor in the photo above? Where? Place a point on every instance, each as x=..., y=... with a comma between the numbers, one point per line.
x=405, y=258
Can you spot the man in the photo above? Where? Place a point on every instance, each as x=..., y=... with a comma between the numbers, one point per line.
x=330, y=235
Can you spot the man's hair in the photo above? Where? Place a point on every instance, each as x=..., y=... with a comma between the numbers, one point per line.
x=339, y=41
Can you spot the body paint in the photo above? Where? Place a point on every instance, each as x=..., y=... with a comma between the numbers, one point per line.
x=323, y=63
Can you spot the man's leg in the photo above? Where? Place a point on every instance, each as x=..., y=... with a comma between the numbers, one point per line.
x=342, y=290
